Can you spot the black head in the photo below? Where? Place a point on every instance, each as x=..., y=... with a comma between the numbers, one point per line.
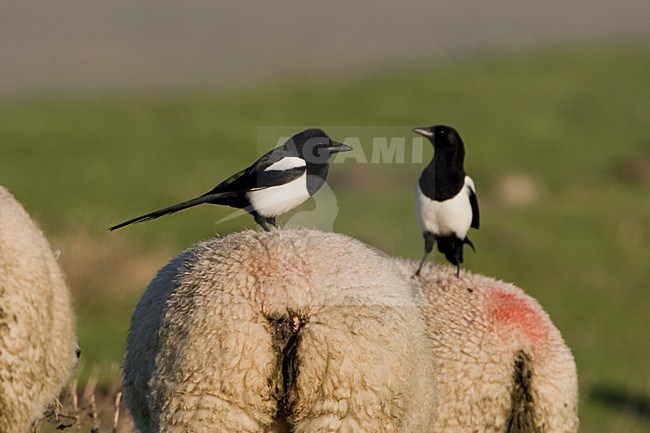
x=448, y=146
x=441, y=136
x=315, y=146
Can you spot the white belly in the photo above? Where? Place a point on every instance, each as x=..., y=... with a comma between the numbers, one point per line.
x=276, y=200
x=453, y=216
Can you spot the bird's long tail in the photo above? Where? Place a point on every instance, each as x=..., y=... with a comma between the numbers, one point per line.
x=452, y=248
x=168, y=210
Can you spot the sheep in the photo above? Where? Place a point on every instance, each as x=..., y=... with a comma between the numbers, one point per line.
x=38, y=347
x=502, y=364
x=294, y=330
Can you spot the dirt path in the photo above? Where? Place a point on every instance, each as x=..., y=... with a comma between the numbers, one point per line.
x=67, y=45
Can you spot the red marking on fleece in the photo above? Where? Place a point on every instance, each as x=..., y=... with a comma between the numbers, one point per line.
x=511, y=311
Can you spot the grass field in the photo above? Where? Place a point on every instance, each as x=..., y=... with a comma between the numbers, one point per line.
x=572, y=125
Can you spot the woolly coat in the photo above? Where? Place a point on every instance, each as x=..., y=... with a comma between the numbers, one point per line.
x=38, y=348
x=288, y=330
x=502, y=364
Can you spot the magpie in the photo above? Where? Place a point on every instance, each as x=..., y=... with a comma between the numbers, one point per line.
x=446, y=203
x=276, y=183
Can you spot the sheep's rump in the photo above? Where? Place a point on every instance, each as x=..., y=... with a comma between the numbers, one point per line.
x=287, y=331
x=502, y=366
x=37, y=338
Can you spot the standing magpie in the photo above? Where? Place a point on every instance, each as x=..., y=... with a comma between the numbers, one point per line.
x=446, y=203
x=276, y=183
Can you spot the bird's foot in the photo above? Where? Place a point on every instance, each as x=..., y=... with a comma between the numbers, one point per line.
x=271, y=220
x=261, y=221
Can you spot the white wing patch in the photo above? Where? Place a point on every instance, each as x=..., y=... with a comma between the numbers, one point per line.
x=286, y=163
x=470, y=184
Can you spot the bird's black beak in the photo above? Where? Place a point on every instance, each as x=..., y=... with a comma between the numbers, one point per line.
x=336, y=147
x=423, y=132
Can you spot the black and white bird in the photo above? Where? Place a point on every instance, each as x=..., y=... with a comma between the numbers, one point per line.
x=278, y=182
x=446, y=203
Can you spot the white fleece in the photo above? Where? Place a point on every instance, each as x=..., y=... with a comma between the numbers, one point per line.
x=202, y=357
x=37, y=327
x=479, y=327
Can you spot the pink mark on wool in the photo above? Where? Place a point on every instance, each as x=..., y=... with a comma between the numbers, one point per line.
x=513, y=312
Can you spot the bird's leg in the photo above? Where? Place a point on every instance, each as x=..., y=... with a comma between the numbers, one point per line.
x=259, y=219
x=429, y=240
x=458, y=254
x=271, y=220
x=417, y=273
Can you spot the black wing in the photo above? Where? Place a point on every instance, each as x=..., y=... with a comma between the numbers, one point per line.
x=473, y=201
x=266, y=179
x=257, y=176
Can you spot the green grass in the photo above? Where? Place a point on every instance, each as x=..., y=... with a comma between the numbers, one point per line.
x=569, y=118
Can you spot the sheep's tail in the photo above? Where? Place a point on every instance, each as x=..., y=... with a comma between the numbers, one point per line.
x=522, y=413
x=171, y=209
x=286, y=339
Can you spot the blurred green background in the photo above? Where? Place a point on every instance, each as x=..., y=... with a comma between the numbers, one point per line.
x=557, y=141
